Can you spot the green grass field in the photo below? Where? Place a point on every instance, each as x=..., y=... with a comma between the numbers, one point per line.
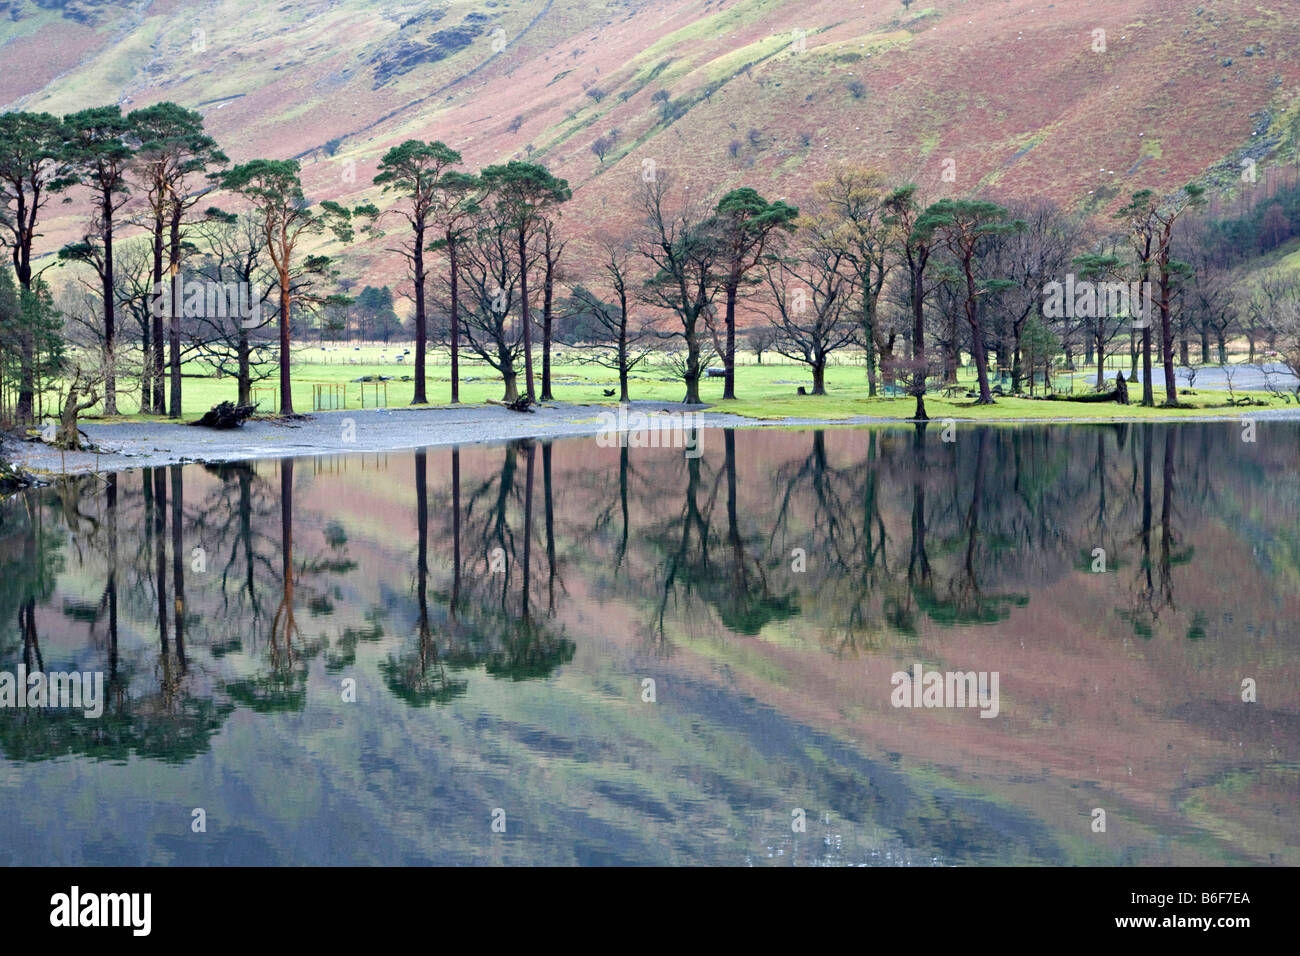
x=766, y=391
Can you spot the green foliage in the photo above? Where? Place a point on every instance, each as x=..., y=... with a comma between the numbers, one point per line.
x=523, y=190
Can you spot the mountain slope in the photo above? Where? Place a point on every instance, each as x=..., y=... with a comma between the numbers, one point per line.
x=1013, y=96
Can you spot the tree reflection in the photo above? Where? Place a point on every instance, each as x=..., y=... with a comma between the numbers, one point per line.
x=901, y=532
x=486, y=618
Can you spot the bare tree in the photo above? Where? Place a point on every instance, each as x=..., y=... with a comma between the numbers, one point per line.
x=241, y=337
x=809, y=290
x=683, y=257
x=488, y=293
x=631, y=343
x=1287, y=323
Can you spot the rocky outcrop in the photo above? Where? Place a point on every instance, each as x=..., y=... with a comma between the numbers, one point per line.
x=409, y=52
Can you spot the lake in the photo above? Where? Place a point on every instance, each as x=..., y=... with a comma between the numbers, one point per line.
x=562, y=653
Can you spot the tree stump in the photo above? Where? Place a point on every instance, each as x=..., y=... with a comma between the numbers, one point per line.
x=226, y=415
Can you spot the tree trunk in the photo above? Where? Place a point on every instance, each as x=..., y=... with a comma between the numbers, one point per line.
x=1167, y=339
x=245, y=375
x=110, y=313
x=421, y=328
x=729, y=352
x=1148, y=395
x=146, y=366
x=286, y=385
x=869, y=342
x=68, y=437
x=508, y=379
x=157, y=399
x=918, y=337
x=455, y=321
x=951, y=352
x=888, y=373
x=523, y=301
x=691, y=373
x=26, y=378
x=819, y=376
x=1101, y=355
x=981, y=354
x=547, y=292
x=622, y=356
x=174, y=332
x=1016, y=368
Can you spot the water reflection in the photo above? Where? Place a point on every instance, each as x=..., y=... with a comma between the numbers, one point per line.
x=497, y=612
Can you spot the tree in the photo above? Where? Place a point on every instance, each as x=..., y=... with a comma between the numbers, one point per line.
x=415, y=171
x=81, y=391
x=809, y=291
x=1140, y=217
x=551, y=251
x=132, y=265
x=33, y=167
x=1030, y=258
x=760, y=338
x=236, y=253
x=455, y=214
x=1287, y=325
x=1040, y=346
x=100, y=157
x=1212, y=299
x=285, y=216
x=1169, y=272
x=1102, y=266
x=29, y=334
x=524, y=192
x=963, y=226
x=1263, y=298
x=376, y=317
x=855, y=214
x=172, y=151
x=612, y=318
x=489, y=271
x=747, y=226
x=682, y=252
x=914, y=249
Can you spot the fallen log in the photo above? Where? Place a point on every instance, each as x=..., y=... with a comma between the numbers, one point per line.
x=1111, y=396
x=12, y=478
x=521, y=404
x=226, y=415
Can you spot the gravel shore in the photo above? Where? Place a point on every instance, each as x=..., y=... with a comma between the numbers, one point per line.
x=141, y=444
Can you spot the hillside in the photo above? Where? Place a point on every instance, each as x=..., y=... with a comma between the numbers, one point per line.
x=1006, y=95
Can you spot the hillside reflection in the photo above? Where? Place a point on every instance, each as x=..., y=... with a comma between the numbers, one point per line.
x=1124, y=579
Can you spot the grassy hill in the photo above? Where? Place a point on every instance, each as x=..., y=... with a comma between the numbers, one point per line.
x=1014, y=96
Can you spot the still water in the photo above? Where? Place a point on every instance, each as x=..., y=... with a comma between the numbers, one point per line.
x=632, y=656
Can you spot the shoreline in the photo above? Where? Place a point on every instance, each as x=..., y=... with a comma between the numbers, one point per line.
x=126, y=445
